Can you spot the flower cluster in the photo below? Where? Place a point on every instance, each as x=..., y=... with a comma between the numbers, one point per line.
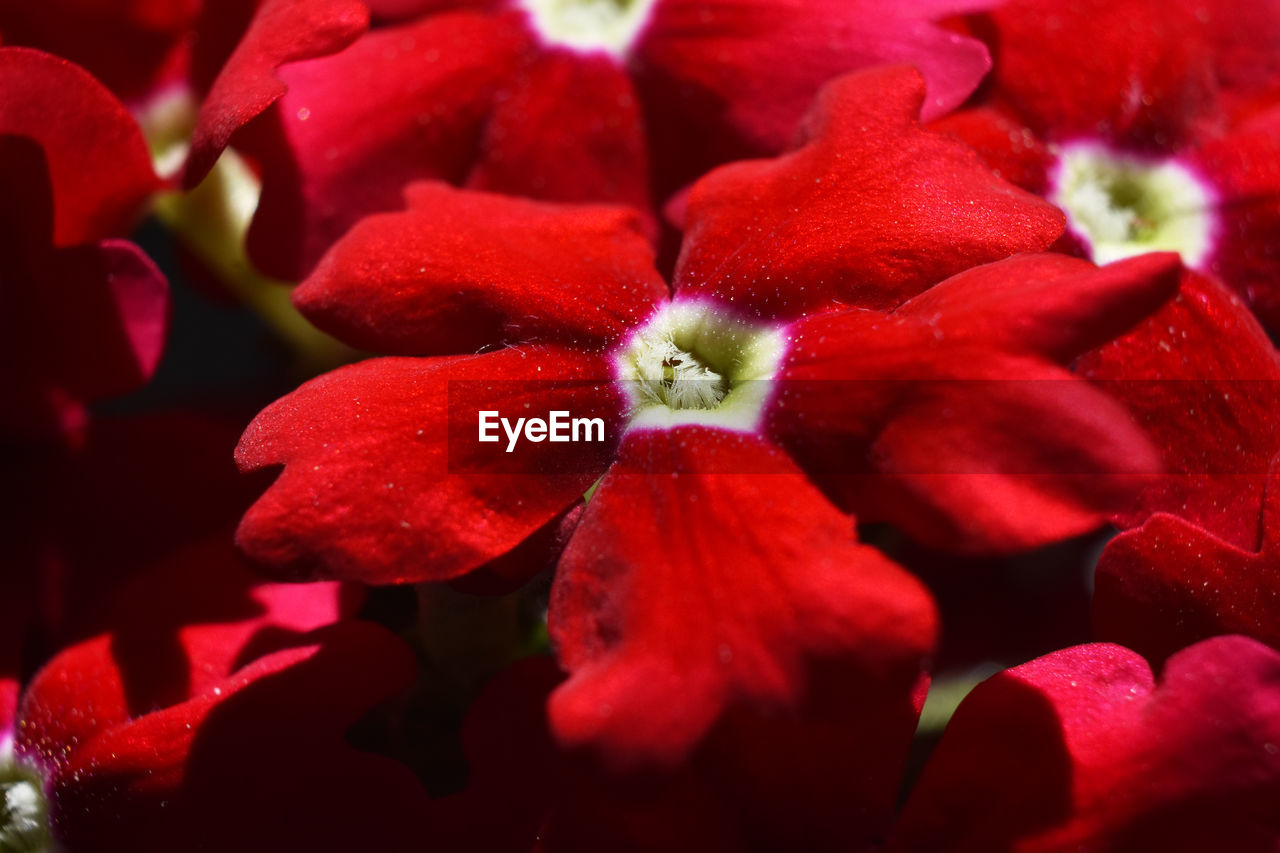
x=717, y=425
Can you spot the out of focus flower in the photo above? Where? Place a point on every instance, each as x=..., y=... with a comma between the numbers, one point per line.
x=84, y=313
x=584, y=101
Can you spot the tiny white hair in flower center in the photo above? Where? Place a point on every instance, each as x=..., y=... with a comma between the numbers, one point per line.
x=611, y=26
x=1122, y=205
x=695, y=362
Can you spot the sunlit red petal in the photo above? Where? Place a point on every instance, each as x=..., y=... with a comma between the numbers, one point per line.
x=870, y=211
x=384, y=480
x=459, y=271
x=724, y=589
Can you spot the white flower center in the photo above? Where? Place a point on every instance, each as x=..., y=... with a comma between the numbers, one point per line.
x=611, y=26
x=1121, y=205
x=693, y=362
x=24, y=825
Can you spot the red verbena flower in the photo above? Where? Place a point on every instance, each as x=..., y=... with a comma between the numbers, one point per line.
x=1154, y=125
x=719, y=409
x=619, y=101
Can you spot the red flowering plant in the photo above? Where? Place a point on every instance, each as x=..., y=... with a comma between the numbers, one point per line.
x=619, y=101
x=742, y=453
x=707, y=562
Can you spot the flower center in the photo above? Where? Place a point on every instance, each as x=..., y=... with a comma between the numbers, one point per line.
x=24, y=825
x=692, y=362
x=1121, y=205
x=611, y=26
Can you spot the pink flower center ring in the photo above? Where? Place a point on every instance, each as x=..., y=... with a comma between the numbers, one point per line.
x=611, y=26
x=694, y=362
x=1121, y=205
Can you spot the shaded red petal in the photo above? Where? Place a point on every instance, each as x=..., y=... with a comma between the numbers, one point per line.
x=402, y=104
x=282, y=31
x=721, y=589
x=726, y=79
x=1079, y=750
x=265, y=746
x=1138, y=72
x=1168, y=584
x=1202, y=378
x=567, y=128
x=384, y=480
x=126, y=45
x=459, y=271
x=870, y=211
x=98, y=189
x=80, y=323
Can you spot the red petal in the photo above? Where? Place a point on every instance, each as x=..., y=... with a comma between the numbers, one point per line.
x=1138, y=72
x=950, y=417
x=871, y=211
x=1202, y=378
x=460, y=271
x=720, y=589
x=1006, y=145
x=725, y=79
x=1048, y=304
x=1168, y=584
x=567, y=129
x=282, y=31
x=402, y=104
x=384, y=480
x=99, y=187
x=1244, y=169
x=251, y=760
x=1078, y=751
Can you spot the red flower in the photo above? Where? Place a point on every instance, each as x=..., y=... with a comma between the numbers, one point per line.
x=85, y=314
x=719, y=403
x=1082, y=750
x=1155, y=125
x=593, y=100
